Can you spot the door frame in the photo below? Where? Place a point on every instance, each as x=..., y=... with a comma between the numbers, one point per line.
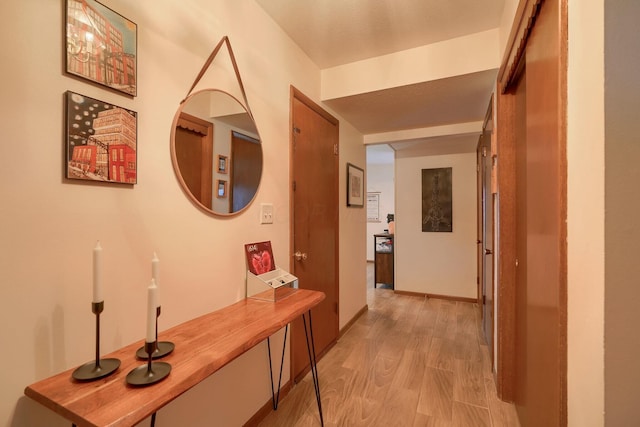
x=205, y=130
x=296, y=94
x=485, y=152
x=479, y=215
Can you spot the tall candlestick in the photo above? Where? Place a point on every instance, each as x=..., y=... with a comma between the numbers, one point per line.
x=151, y=372
x=162, y=348
x=155, y=275
x=152, y=304
x=97, y=273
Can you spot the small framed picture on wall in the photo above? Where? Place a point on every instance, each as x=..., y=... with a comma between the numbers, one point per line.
x=222, y=163
x=101, y=46
x=101, y=141
x=355, y=186
x=221, y=192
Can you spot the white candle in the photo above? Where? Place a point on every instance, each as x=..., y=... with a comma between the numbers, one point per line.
x=155, y=274
x=97, y=273
x=152, y=304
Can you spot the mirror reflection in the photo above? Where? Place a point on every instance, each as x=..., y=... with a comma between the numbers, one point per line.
x=216, y=152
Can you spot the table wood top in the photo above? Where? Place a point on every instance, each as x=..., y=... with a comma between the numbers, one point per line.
x=202, y=346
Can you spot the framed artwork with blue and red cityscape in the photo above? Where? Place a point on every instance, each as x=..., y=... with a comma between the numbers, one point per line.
x=101, y=141
x=101, y=46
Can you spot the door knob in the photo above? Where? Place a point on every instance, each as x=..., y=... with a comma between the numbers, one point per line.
x=300, y=256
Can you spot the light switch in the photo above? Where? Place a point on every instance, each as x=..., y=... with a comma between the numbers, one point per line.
x=266, y=213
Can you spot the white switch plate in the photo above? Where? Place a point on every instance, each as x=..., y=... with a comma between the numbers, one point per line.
x=266, y=213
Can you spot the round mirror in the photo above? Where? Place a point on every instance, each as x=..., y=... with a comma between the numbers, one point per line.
x=216, y=152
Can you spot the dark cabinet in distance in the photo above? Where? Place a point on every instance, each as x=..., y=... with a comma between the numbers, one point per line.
x=383, y=249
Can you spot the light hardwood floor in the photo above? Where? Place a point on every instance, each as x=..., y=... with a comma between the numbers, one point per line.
x=408, y=361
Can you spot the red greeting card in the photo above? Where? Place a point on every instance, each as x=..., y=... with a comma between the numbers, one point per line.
x=259, y=257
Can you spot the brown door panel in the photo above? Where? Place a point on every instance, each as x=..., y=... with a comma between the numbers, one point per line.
x=315, y=224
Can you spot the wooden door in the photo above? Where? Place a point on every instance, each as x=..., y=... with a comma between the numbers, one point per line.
x=488, y=238
x=521, y=353
x=246, y=169
x=194, y=154
x=315, y=222
x=479, y=222
x=533, y=288
x=544, y=273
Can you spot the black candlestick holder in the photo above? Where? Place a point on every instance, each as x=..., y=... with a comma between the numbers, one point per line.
x=162, y=348
x=100, y=368
x=151, y=372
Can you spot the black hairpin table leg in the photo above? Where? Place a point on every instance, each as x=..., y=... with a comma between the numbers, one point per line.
x=311, y=350
x=276, y=398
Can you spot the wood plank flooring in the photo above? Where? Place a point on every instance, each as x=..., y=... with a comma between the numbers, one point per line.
x=408, y=361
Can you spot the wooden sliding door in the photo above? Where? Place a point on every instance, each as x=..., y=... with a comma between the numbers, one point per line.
x=532, y=346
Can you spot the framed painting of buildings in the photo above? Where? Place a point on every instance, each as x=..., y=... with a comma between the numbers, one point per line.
x=437, y=198
x=101, y=45
x=101, y=141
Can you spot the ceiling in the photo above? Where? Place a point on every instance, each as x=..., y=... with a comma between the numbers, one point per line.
x=337, y=32
x=435, y=103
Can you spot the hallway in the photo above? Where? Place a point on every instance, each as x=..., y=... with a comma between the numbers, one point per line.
x=407, y=361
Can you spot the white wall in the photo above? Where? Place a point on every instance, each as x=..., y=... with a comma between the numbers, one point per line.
x=622, y=224
x=353, y=227
x=585, y=214
x=436, y=263
x=380, y=178
x=506, y=23
x=459, y=56
x=49, y=226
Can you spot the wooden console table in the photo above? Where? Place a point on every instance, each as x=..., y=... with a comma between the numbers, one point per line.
x=202, y=346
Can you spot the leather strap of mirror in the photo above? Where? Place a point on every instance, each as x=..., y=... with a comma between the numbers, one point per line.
x=206, y=65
